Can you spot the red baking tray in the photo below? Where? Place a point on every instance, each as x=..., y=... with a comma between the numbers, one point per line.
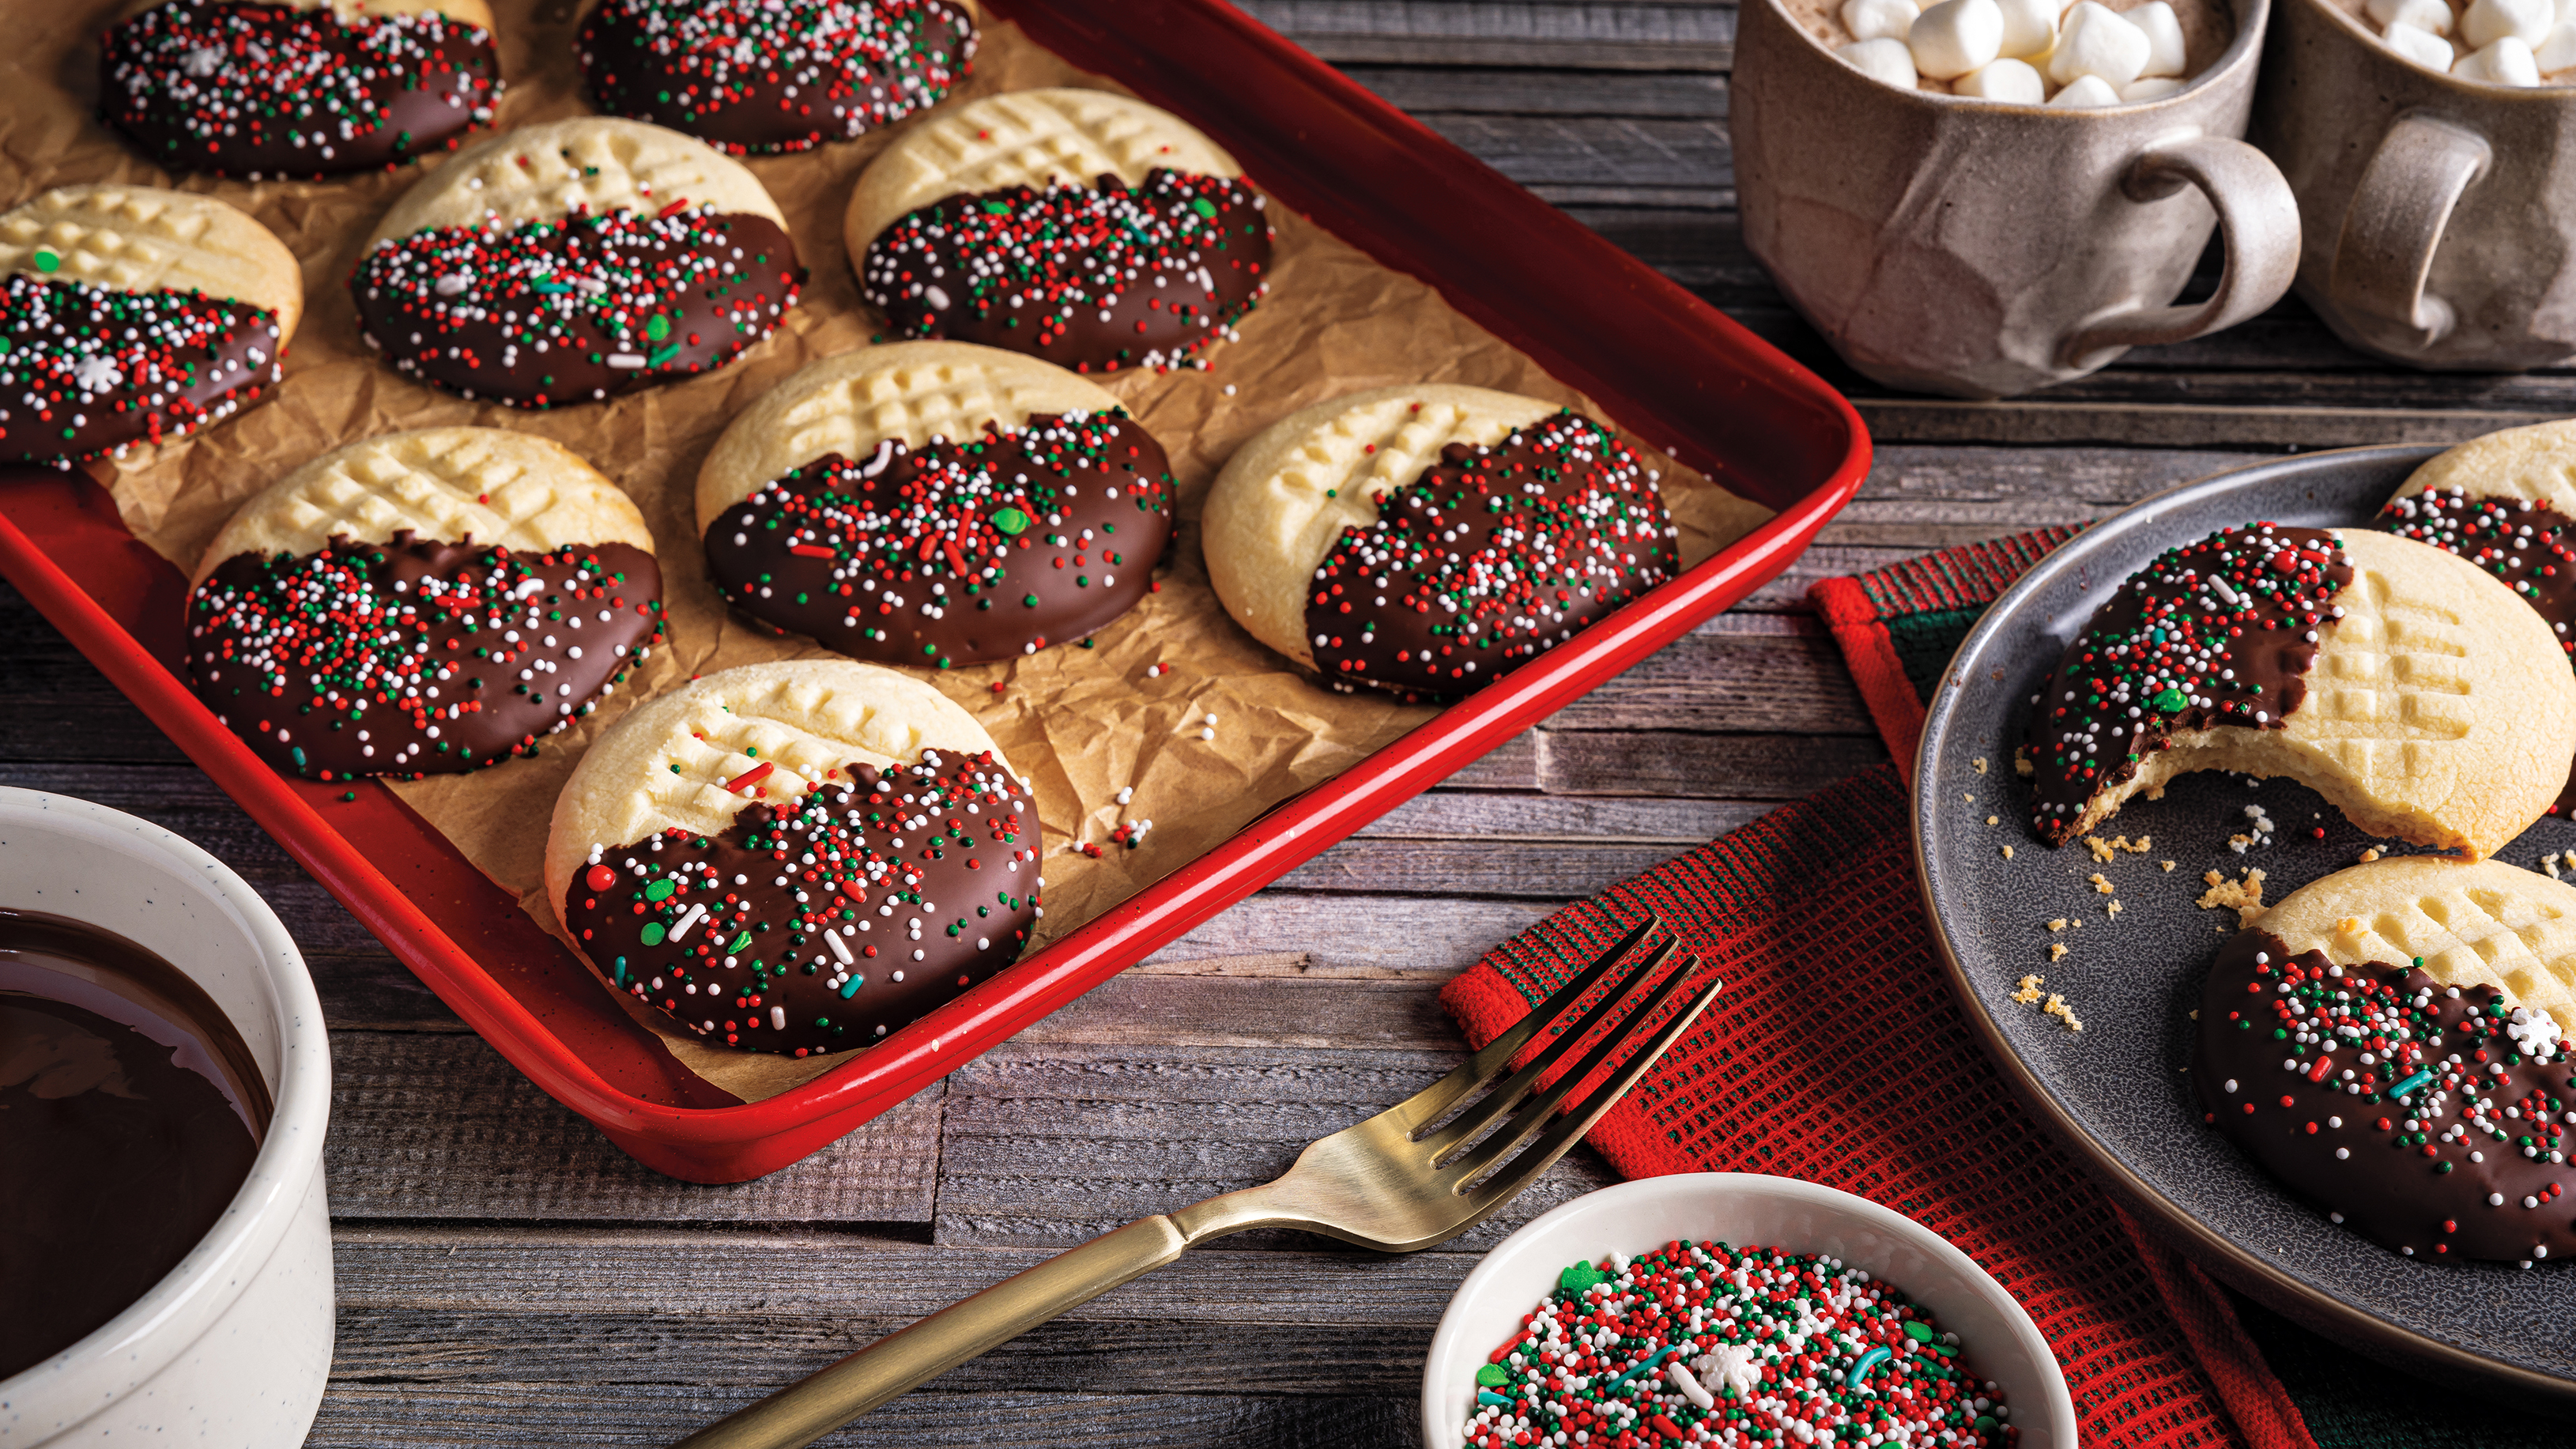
x=1658, y=361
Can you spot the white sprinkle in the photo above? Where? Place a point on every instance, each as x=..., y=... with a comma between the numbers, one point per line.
x=696, y=912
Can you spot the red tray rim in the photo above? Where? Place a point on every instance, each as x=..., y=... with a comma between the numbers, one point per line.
x=730, y=1143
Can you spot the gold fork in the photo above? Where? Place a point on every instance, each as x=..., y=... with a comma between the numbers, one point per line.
x=1402, y=1180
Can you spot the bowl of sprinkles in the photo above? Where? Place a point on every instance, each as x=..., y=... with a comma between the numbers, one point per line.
x=1728, y=1308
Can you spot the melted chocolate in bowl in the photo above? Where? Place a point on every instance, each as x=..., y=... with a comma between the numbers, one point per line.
x=130, y=1111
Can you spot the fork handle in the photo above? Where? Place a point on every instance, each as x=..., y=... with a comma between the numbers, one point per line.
x=806, y=1411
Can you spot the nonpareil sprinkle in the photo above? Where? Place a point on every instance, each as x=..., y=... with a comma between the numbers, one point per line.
x=1700, y=1343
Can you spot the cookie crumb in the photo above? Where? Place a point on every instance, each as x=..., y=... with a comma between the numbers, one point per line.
x=2245, y=896
x=2102, y=885
x=2166, y=866
x=2549, y=863
x=2112, y=909
x=2052, y=1003
x=2029, y=992
x=2056, y=951
x=2007, y=852
x=2021, y=762
x=2102, y=849
x=1978, y=764
x=2369, y=855
x=1964, y=795
x=2057, y=925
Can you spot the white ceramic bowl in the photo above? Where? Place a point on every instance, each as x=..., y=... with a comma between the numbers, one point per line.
x=231, y=1347
x=1745, y=1210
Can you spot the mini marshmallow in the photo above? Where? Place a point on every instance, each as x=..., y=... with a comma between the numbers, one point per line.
x=2150, y=88
x=2420, y=46
x=1881, y=60
x=1891, y=19
x=2164, y=37
x=2430, y=16
x=1956, y=36
x=2030, y=27
x=2003, y=80
x=2096, y=41
x=2508, y=62
x=2558, y=52
x=2487, y=21
x=2085, y=92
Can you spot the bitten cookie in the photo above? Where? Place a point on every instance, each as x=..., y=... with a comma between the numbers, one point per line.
x=765, y=76
x=1079, y=226
x=2398, y=681
x=134, y=315
x=796, y=857
x=284, y=88
x=421, y=603
x=935, y=504
x=2387, y=1042
x=1431, y=539
x=573, y=261
x=2506, y=503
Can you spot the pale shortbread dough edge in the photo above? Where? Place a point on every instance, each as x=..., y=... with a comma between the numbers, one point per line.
x=805, y=717
x=906, y=391
x=145, y=238
x=497, y=487
x=2472, y=922
x=2536, y=462
x=601, y=162
x=1023, y=138
x=2472, y=793
x=1285, y=496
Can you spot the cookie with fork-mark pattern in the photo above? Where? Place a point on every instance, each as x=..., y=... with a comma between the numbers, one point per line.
x=1078, y=226
x=422, y=603
x=575, y=261
x=130, y=314
x=796, y=857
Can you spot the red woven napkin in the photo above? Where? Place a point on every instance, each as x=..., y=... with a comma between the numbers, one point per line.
x=1839, y=1055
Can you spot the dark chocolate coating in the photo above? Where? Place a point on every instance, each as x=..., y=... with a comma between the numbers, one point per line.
x=619, y=302
x=862, y=555
x=270, y=91
x=190, y=361
x=926, y=875
x=2120, y=693
x=523, y=643
x=2406, y=1187
x=822, y=70
x=1494, y=556
x=130, y=1113
x=2521, y=542
x=1047, y=271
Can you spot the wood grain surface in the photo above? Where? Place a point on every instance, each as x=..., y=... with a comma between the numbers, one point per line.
x=508, y=1278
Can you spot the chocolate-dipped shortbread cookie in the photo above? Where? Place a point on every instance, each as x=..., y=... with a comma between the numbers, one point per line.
x=796, y=857
x=2506, y=503
x=2398, y=681
x=574, y=261
x=288, y=88
x=935, y=504
x=421, y=603
x=134, y=315
x=764, y=76
x=1429, y=540
x=1082, y=227
x=2387, y=1042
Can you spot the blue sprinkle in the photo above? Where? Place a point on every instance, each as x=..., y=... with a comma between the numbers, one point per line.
x=1652, y=1361
x=1870, y=1360
x=1488, y=1396
x=851, y=987
x=2421, y=1076
x=297, y=754
x=621, y=970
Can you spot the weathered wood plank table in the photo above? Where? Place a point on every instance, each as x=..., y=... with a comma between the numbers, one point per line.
x=508, y=1278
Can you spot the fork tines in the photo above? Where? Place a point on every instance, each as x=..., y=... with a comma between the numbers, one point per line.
x=1467, y=1159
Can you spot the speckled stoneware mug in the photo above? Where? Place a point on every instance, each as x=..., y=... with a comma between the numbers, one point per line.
x=2440, y=213
x=1951, y=245
x=232, y=1346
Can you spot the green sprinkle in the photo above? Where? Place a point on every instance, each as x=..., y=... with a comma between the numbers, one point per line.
x=660, y=890
x=652, y=933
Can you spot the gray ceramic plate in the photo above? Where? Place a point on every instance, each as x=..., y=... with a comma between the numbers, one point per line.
x=2117, y=1092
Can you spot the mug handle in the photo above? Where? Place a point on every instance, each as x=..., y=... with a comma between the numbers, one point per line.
x=2394, y=224
x=2257, y=216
